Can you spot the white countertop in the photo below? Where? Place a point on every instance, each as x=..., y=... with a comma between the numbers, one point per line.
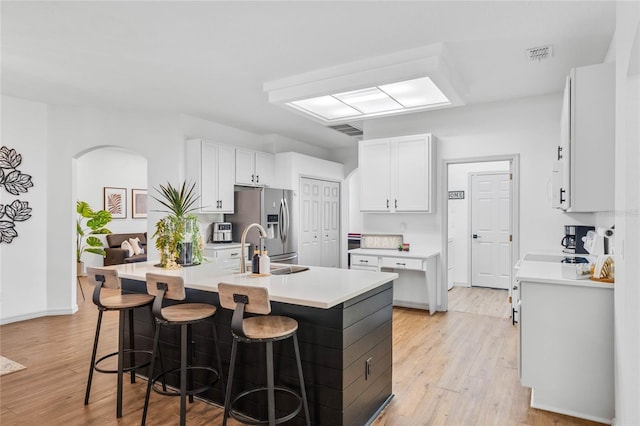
x=317, y=287
x=413, y=254
x=551, y=273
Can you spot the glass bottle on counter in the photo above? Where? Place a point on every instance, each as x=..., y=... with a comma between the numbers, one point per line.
x=255, y=262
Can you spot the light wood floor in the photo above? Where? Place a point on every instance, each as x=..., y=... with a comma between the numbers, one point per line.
x=455, y=368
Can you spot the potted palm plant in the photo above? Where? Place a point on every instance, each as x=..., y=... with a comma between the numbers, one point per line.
x=177, y=235
x=89, y=223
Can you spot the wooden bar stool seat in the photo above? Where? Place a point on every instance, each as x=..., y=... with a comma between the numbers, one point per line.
x=189, y=312
x=183, y=315
x=260, y=329
x=124, y=304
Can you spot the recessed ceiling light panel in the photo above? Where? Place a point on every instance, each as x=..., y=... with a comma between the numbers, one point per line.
x=326, y=107
x=369, y=101
x=414, y=93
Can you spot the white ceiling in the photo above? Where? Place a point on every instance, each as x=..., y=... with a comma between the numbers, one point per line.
x=210, y=58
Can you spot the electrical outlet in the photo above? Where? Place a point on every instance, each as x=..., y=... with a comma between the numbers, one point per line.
x=367, y=368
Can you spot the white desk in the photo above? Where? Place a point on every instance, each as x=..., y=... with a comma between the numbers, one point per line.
x=416, y=285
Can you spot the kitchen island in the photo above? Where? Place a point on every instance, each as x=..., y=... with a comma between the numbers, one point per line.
x=345, y=335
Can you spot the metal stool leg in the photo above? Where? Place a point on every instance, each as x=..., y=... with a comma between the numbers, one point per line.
x=190, y=349
x=303, y=391
x=120, y=363
x=93, y=358
x=132, y=346
x=271, y=399
x=183, y=375
x=232, y=367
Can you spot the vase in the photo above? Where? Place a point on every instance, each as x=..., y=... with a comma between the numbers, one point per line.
x=185, y=248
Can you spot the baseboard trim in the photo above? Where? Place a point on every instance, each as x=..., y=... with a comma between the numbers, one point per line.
x=547, y=407
x=39, y=314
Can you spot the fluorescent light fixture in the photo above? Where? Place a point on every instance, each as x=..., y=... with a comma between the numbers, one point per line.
x=400, y=82
x=410, y=95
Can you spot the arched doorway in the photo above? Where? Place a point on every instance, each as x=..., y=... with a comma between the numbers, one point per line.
x=112, y=169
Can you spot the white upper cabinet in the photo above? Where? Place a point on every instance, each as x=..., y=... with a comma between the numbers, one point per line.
x=253, y=168
x=212, y=167
x=396, y=174
x=583, y=169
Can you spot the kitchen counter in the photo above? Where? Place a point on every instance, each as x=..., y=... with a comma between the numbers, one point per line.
x=344, y=324
x=317, y=287
x=551, y=273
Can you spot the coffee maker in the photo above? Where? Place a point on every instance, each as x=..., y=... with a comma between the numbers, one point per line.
x=572, y=240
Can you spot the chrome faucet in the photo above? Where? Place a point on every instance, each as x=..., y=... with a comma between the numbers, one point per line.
x=263, y=235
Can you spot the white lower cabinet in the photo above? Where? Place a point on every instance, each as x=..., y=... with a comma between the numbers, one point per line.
x=566, y=348
x=226, y=256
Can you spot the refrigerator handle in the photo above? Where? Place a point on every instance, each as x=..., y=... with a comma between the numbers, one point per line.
x=281, y=220
x=287, y=218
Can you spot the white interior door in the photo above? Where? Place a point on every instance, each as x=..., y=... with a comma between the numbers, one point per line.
x=490, y=230
x=310, y=225
x=330, y=224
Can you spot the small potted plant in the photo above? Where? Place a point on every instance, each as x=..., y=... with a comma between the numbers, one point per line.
x=177, y=235
x=88, y=224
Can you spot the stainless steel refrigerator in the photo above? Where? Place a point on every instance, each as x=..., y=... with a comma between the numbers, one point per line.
x=271, y=208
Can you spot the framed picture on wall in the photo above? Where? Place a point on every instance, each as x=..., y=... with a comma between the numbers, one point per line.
x=115, y=202
x=139, y=203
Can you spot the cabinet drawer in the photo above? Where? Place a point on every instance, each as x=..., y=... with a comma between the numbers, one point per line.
x=228, y=253
x=401, y=263
x=360, y=260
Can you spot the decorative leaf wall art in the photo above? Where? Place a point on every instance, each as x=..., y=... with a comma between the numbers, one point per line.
x=12, y=179
x=14, y=182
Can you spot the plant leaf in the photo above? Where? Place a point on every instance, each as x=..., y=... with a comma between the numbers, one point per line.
x=94, y=242
x=96, y=251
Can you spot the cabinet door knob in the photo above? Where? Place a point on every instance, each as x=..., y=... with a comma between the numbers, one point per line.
x=562, y=199
x=257, y=178
x=396, y=203
x=364, y=261
x=476, y=236
x=252, y=178
x=559, y=152
x=387, y=203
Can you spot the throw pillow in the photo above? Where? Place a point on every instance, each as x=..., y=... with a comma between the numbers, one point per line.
x=135, y=244
x=126, y=246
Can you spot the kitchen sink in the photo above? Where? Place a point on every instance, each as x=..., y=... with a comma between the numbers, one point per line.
x=287, y=269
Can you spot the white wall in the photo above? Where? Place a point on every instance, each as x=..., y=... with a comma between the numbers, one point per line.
x=459, y=213
x=112, y=167
x=23, y=272
x=75, y=131
x=627, y=216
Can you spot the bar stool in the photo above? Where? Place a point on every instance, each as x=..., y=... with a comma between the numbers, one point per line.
x=183, y=315
x=124, y=304
x=259, y=329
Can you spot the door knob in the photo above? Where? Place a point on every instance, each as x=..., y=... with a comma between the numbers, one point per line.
x=476, y=236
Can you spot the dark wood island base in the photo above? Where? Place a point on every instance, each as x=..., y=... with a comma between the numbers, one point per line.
x=346, y=355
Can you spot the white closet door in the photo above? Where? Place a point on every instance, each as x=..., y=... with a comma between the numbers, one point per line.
x=310, y=225
x=330, y=224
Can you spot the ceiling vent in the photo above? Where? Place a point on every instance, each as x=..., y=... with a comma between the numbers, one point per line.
x=539, y=53
x=347, y=129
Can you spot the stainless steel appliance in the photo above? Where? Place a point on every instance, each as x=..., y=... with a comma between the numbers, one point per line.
x=572, y=240
x=222, y=232
x=271, y=208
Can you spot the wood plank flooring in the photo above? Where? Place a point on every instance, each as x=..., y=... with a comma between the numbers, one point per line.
x=454, y=368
